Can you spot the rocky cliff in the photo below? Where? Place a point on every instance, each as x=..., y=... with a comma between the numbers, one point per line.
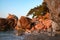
x=54, y=9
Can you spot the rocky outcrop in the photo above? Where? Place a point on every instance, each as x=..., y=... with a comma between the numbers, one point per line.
x=8, y=23
x=54, y=9
x=25, y=22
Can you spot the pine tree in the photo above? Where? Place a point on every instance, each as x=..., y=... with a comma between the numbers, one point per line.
x=39, y=10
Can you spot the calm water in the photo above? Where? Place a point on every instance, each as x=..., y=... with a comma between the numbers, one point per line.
x=10, y=36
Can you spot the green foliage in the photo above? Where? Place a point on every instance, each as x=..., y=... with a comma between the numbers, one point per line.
x=39, y=10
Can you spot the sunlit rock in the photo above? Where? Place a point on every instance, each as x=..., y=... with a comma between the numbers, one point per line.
x=54, y=9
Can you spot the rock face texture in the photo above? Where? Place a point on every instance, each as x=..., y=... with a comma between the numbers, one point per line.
x=8, y=23
x=25, y=22
x=54, y=9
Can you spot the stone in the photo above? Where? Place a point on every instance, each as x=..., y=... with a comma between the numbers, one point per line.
x=54, y=9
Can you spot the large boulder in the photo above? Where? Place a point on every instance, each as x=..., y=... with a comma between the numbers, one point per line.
x=25, y=22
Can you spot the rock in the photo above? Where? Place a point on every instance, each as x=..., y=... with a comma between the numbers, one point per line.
x=54, y=9
x=8, y=23
x=25, y=22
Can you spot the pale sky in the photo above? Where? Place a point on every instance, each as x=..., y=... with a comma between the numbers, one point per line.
x=17, y=7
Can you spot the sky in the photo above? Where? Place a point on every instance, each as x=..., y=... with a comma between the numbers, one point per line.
x=17, y=7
